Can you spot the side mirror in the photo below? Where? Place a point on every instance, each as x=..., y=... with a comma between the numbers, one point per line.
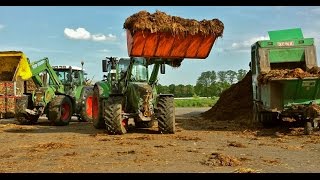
x=104, y=66
x=163, y=68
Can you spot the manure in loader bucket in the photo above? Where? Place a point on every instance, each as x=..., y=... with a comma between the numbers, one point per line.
x=127, y=91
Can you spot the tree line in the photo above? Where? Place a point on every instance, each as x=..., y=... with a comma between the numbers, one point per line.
x=209, y=84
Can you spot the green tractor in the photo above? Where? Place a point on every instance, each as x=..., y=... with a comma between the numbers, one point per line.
x=127, y=92
x=61, y=92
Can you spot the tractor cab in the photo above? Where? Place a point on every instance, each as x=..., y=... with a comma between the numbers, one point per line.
x=70, y=75
x=139, y=72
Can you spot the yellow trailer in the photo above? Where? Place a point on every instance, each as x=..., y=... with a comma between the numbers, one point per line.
x=15, y=73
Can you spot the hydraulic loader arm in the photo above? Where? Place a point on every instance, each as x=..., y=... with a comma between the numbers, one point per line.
x=154, y=74
x=46, y=68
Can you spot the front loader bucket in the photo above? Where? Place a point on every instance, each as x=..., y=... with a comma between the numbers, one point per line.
x=166, y=45
x=160, y=35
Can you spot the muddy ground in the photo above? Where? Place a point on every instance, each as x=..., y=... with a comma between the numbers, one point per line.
x=199, y=145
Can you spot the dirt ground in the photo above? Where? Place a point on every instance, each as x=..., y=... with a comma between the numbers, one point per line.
x=199, y=145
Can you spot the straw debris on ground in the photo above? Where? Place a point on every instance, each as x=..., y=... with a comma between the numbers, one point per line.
x=219, y=159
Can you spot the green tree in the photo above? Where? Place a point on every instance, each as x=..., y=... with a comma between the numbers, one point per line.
x=241, y=74
x=206, y=79
x=189, y=90
x=199, y=90
x=163, y=89
x=172, y=88
x=231, y=75
x=221, y=86
x=222, y=75
x=179, y=91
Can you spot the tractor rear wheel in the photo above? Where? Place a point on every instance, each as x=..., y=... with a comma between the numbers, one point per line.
x=115, y=124
x=165, y=112
x=97, y=118
x=22, y=116
x=60, y=110
x=86, y=104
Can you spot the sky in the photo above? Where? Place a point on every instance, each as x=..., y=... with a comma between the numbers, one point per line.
x=71, y=34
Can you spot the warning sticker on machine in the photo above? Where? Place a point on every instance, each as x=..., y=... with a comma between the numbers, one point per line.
x=287, y=43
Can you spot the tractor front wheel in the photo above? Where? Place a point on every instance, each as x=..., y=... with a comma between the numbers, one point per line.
x=97, y=118
x=86, y=104
x=60, y=110
x=22, y=116
x=115, y=124
x=165, y=112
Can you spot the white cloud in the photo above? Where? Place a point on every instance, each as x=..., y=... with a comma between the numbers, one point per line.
x=83, y=34
x=245, y=45
x=99, y=37
x=2, y=26
x=80, y=33
x=102, y=37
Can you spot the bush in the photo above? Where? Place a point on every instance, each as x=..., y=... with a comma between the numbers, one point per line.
x=196, y=102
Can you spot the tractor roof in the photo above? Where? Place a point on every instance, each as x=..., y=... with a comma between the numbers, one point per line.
x=67, y=67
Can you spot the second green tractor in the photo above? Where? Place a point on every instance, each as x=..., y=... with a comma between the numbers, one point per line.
x=61, y=91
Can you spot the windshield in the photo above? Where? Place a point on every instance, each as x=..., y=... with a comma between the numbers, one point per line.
x=139, y=70
x=123, y=64
x=64, y=77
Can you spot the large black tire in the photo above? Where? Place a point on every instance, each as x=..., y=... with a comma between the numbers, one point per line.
x=308, y=129
x=60, y=110
x=86, y=104
x=115, y=124
x=256, y=115
x=21, y=115
x=97, y=118
x=269, y=119
x=165, y=113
